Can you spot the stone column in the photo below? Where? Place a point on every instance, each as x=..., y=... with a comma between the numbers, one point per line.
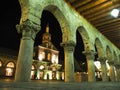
x=38, y=71
x=103, y=68
x=57, y=75
x=45, y=72
x=69, y=60
x=90, y=64
x=112, y=70
x=117, y=66
x=24, y=62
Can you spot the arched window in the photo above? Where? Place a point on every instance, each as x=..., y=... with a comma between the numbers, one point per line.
x=9, y=69
x=0, y=64
x=10, y=65
x=49, y=56
x=32, y=72
x=33, y=67
x=41, y=56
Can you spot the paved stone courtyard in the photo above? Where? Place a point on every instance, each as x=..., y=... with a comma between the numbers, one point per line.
x=53, y=85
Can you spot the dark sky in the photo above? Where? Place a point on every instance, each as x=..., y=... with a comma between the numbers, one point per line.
x=9, y=17
x=9, y=38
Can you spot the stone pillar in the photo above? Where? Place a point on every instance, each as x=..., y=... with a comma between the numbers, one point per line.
x=24, y=62
x=69, y=60
x=112, y=70
x=117, y=66
x=104, y=68
x=90, y=64
x=57, y=75
x=45, y=72
x=38, y=72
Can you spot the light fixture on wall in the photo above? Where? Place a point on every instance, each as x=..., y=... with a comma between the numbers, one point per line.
x=115, y=13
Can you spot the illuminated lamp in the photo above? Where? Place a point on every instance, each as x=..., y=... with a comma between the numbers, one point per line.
x=115, y=13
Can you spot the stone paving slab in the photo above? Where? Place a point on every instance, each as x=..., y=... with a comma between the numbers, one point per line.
x=59, y=86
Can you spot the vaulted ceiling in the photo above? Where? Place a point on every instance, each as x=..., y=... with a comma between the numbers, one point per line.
x=97, y=12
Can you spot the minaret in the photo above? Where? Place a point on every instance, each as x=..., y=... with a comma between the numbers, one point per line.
x=46, y=36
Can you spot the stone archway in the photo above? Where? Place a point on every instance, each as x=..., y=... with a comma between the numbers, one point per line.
x=29, y=27
x=62, y=21
x=111, y=64
x=108, y=53
x=115, y=57
x=116, y=67
x=89, y=53
x=66, y=43
x=78, y=55
x=102, y=59
x=99, y=47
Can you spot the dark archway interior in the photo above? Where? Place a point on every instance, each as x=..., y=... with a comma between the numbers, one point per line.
x=78, y=55
x=96, y=55
x=55, y=31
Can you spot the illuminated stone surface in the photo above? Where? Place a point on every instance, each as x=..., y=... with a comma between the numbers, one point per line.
x=69, y=22
x=42, y=85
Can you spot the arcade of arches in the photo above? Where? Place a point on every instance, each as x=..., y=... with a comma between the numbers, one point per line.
x=96, y=46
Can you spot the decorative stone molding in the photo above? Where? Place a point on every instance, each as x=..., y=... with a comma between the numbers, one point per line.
x=28, y=29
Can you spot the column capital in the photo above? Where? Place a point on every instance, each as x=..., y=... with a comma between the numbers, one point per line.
x=89, y=53
x=69, y=45
x=117, y=65
x=111, y=62
x=102, y=59
x=28, y=29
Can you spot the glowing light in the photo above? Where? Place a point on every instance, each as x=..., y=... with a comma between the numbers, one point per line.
x=0, y=64
x=33, y=67
x=9, y=72
x=108, y=66
x=41, y=67
x=50, y=75
x=11, y=64
x=41, y=56
x=97, y=64
x=54, y=59
x=115, y=13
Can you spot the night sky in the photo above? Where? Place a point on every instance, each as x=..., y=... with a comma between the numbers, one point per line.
x=10, y=15
x=9, y=38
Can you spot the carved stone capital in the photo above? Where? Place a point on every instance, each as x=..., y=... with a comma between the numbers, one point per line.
x=69, y=45
x=89, y=53
x=117, y=65
x=28, y=29
x=102, y=59
x=111, y=62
